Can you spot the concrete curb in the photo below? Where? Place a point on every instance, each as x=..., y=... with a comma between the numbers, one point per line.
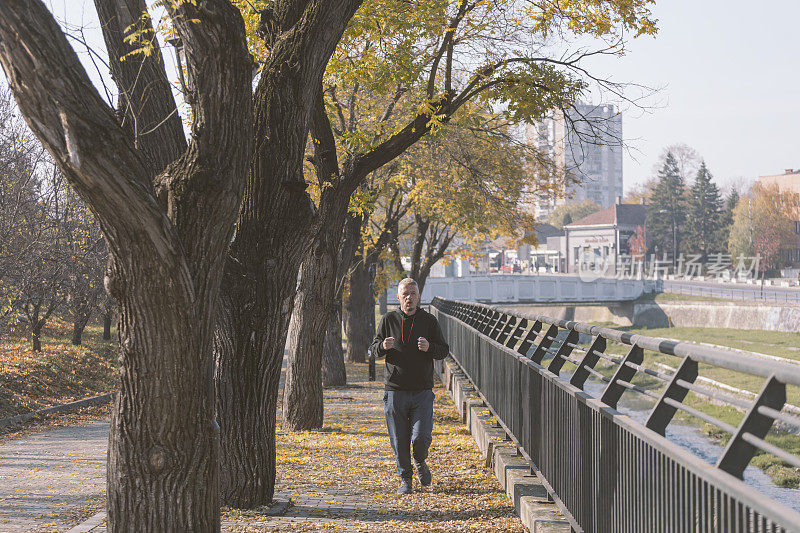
x=91, y=523
x=531, y=501
x=63, y=408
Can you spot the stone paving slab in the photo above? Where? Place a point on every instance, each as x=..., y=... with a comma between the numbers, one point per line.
x=52, y=479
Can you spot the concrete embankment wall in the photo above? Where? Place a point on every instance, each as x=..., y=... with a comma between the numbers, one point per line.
x=704, y=314
x=620, y=315
x=719, y=315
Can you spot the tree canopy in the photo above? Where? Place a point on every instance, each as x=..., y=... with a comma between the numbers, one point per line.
x=571, y=211
x=764, y=224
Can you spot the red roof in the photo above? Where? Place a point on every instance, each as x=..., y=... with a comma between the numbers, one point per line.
x=621, y=214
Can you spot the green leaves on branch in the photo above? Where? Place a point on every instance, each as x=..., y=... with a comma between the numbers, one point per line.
x=388, y=42
x=527, y=90
x=599, y=18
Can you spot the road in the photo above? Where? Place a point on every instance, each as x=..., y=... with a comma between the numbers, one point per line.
x=730, y=291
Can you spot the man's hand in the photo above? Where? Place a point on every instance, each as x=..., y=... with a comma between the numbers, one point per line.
x=423, y=344
x=388, y=343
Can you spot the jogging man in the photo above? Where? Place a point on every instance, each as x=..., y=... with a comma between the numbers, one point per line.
x=410, y=339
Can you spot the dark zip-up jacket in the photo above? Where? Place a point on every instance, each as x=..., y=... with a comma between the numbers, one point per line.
x=408, y=367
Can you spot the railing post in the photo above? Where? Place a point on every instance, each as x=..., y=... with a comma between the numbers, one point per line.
x=501, y=338
x=515, y=335
x=493, y=323
x=614, y=390
x=544, y=344
x=563, y=351
x=527, y=342
x=662, y=414
x=738, y=453
x=499, y=326
x=589, y=361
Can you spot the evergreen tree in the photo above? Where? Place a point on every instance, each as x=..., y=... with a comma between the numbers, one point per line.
x=666, y=212
x=704, y=215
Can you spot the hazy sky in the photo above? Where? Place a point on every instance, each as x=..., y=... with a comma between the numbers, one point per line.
x=731, y=87
x=729, y=78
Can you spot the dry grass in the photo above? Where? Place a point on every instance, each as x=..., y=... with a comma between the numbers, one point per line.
x=60, y=373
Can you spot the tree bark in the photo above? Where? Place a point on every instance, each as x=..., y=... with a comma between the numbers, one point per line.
x=302, y=396
x=360, y=311
x=107, y=324
x=334, y=373
x=249, y=350
x=36, y=343
x=383, y=304
x=79, y=324
x=166, y=442
x=37, y=320
x=166, y=250
x=272, y=238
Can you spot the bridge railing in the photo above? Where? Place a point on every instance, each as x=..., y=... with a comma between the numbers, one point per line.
x=555, y=386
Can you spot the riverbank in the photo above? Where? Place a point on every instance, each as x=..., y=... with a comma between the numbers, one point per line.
x=773, y=343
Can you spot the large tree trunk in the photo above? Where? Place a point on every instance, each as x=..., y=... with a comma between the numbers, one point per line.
x=360, y=311
x=302, y=396
x=273, y=237
x=163, y=436
x=167, y=215
x=334, y=373
x=249, y=350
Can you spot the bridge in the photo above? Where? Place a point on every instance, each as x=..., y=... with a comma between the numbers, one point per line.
x=559, y=391
x=522, y=288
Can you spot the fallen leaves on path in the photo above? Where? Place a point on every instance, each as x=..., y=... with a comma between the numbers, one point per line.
x=343, y=477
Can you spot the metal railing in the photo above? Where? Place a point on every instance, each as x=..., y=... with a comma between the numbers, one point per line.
x=759, y=293
x=607, y=471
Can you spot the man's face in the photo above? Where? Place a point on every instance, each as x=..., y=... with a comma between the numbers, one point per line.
x=409, y=298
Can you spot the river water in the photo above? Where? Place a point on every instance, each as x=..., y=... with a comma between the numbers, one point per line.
x=694, y=440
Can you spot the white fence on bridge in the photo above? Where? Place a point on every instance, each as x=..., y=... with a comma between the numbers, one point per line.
x=520, y=288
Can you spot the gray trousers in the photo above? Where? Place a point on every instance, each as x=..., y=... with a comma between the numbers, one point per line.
x=409, y=419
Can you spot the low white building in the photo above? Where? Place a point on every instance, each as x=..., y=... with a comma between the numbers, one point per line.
x=602, y=238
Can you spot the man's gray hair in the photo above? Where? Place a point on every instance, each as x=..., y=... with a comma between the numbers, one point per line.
x=407, y=281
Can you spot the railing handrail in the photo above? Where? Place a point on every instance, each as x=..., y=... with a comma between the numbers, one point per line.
x=784, y=372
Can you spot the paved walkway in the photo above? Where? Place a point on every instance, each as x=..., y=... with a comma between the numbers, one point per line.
x=52, y=479
x=343, y=477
